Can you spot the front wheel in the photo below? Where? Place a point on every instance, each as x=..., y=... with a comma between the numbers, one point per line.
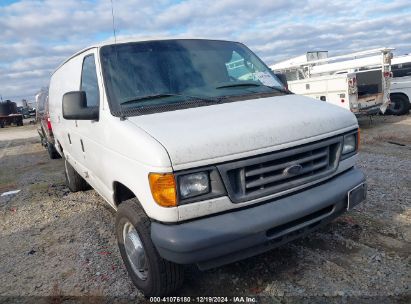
x=150, y=273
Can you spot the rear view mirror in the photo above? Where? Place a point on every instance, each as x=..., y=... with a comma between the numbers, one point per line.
x=75, y=107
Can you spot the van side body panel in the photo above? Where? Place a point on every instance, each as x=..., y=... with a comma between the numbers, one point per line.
x=108, y=150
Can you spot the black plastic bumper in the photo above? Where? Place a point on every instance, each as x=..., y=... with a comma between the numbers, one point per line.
x=228, y=237
x=372, y=110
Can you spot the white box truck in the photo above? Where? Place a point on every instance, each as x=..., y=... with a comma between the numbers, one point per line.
x=359, y=82
x=201, y=166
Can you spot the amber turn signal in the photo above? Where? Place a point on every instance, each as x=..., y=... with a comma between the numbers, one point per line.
x=163, y=189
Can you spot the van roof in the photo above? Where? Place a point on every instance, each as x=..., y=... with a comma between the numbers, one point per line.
x=124, y=41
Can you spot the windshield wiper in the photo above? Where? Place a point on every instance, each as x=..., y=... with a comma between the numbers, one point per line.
x=252, y=84
x=238, y=84
x=282, y=90
x=162, y=95
x=147, y=97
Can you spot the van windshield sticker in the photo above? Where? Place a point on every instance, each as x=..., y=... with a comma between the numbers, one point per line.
x=266, y=79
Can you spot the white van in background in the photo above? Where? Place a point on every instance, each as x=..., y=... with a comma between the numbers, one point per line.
x=202, y=166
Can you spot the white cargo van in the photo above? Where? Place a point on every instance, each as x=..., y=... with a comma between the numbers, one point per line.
x=202, y=166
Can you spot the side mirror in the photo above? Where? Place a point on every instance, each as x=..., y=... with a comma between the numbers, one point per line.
x=282, y=78
x=75, y=107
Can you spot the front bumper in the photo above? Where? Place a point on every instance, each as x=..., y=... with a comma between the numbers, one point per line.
x=229, y=237
x=367, y=111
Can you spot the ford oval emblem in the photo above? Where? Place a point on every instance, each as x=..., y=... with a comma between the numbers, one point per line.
x=293, y=170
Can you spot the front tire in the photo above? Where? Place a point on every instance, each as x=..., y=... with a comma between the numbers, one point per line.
x=74, y=181
x=150, y=273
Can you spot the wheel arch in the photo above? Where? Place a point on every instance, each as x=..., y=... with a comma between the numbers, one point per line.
x=59, y=147
x=122, y=193
x=399, y=94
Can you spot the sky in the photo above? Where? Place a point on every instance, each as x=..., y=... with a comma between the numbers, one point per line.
x=37, y=35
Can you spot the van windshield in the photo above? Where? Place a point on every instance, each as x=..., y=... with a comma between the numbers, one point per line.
x=164, y=75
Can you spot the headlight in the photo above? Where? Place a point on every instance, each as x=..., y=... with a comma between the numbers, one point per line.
x=194, y=184
x=185, y=187
x=350, y=144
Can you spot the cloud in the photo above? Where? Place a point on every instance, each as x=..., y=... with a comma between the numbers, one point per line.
x=37, y=35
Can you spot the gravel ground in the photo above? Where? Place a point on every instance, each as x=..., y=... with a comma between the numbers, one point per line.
x=60, y=247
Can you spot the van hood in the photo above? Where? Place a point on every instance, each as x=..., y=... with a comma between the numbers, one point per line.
x=211, y=134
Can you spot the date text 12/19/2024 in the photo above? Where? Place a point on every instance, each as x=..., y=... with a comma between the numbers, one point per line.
x=202, y=299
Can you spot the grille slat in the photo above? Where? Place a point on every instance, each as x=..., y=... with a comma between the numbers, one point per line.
x=300, y=161
x=271, y=173
x=278, y=177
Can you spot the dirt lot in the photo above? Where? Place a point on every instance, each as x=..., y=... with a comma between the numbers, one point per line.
x=60, y=244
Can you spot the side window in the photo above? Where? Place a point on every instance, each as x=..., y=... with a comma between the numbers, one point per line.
x=401, y=70
x=89, y=83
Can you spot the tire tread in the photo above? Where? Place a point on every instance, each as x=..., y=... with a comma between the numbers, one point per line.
x=405, y=105
x=75, y=182
x=171, y=275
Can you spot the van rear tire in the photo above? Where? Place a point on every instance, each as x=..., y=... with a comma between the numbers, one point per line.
x=74, y=181
x=51, y=149
x=150, y=273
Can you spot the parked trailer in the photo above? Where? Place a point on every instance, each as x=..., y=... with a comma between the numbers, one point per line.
x=359, y=82
x=8, y=114
x=16, y=119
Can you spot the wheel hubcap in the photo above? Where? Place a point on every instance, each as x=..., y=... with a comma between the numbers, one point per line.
x=135, y=251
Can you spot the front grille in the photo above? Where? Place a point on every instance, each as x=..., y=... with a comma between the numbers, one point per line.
x=282, y=170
